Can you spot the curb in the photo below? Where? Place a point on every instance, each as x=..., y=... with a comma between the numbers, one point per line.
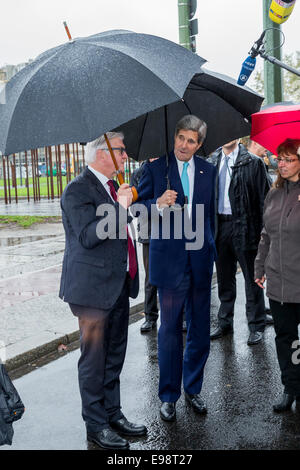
x=34, y=354
x=24, y=359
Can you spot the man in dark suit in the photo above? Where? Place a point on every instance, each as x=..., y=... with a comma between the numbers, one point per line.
x=150, y=300
x=98, y=276
x=181, y=265
x=241, y=187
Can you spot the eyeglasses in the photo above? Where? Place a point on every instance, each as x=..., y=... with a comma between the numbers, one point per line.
x=122, y=150
x=287, y=160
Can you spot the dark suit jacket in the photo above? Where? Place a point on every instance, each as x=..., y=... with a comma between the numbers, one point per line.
x=247, y=191
x=94, y=270
x=168, y=257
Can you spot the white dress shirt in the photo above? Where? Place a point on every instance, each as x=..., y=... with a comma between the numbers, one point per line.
x=191, y=177
x=231, y=161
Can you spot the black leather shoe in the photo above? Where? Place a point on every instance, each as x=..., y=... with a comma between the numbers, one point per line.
x=123, y=426
x=219, y=332
x=255, y=337
x=148, y=325
x=285, y=403
x=107, y=439
x=197, y=403
x=168, y=411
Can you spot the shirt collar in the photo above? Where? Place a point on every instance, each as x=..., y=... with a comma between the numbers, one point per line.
x=102, y=178
x=232, y=156
x=180, y=164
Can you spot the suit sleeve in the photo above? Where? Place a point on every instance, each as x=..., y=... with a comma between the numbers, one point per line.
x=146, y=189
x=81, y=215
x=213, y=202
x=262, y=251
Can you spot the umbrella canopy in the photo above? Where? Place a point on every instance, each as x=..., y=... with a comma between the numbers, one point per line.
x=274, y=124
x=225, y=106
x=79, y=90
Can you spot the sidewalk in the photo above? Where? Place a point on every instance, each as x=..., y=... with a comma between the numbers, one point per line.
x=34, y=321
x=23, y=207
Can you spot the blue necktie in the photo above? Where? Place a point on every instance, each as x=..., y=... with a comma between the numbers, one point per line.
x=185, y=180
x=222, y=184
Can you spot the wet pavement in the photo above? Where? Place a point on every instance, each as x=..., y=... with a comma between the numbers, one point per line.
x=240, y=386
x=33, y=320
x=23, y=207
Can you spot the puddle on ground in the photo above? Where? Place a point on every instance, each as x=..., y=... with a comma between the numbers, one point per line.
x=12, y=241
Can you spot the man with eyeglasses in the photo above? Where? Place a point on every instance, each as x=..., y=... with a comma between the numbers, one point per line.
x=180, y=268
x=98, y=276
x=241, y=187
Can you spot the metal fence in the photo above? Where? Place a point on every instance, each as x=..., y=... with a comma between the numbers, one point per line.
x=44, y=172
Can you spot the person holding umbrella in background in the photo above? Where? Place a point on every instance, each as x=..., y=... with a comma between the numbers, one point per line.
x=150, y=300
x=278, y=262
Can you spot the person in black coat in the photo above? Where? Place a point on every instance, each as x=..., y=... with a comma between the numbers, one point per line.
x=150, y=301
x=241, y=187
x=99, y=274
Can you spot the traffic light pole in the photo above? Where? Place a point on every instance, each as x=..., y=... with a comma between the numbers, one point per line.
x=188, y=25
x=184, y=27
x=272, y=73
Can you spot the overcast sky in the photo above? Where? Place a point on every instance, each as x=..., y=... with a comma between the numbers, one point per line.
x=227, y=28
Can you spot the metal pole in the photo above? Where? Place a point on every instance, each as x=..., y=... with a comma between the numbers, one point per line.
x=60, y=175
x=8, y=179
x=51, y=172
x=4, y=180
x=47, y=172
x=272, y=74
x=184, y=28
x=27, y=176
x=14, y=173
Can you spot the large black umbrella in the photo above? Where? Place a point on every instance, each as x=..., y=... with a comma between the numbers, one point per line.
x=225, y=106
x=86, y=87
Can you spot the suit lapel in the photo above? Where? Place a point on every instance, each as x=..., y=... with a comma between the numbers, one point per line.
x=99, y=186
x=175, y=178
x=200, y=182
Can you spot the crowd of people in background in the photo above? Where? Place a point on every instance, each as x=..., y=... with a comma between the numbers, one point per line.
x=247, y=220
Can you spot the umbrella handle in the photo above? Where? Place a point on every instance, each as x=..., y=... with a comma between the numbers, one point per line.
x=119, y=174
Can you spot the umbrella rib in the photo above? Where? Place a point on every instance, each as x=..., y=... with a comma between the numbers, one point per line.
x=142, y=133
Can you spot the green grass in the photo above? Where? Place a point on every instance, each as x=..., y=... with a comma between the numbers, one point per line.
x=26, y=221
x=22, y=192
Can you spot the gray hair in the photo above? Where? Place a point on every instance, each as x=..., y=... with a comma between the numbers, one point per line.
x=192, y=123
x=99, y=143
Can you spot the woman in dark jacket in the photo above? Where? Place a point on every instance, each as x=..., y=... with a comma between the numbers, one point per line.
x=278, y=261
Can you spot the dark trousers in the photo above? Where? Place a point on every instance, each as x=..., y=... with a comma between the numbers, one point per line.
x=150, y=303
x=286, y=320
x=226, y=266
x=173, y=367
x=103, y=341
